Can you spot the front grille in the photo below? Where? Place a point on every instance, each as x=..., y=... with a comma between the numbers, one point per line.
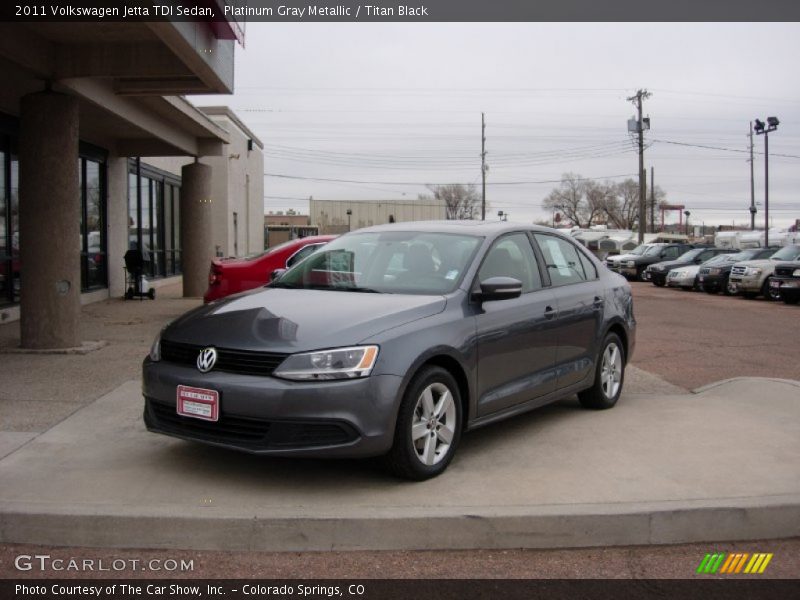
x=243, y=362
x=248, y=432
x=738, y=271
x=705, y=270
x=786, y=271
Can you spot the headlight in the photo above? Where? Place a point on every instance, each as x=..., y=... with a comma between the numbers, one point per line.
x=796, y=273
x=752, y=271
x=339, y=363
x=630, y=263
x=155, y=349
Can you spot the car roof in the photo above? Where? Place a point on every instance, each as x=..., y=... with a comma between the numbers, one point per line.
x=481, y=228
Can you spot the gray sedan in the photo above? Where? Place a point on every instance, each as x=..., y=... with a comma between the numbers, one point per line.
x=393, y=341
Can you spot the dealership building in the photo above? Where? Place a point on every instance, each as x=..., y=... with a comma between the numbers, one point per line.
x=100, y=153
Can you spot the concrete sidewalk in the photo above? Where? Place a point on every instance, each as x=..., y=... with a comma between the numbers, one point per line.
x=721, y=464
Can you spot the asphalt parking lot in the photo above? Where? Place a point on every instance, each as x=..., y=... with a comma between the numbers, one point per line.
x=685, y=338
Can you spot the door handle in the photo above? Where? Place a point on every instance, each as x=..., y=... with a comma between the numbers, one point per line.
x=549, y=312
x=598, y=303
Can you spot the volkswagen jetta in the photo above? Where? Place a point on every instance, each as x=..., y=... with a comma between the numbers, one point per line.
x=393, y=341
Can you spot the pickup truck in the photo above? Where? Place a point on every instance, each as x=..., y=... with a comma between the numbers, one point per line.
x=786, y=282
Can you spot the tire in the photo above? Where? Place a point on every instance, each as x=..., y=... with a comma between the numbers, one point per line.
x=726, y=288
x=609, y=376
x=769, y=293
x=658, y=283
x=151, y=293
x=431, y=410
x=640, y=275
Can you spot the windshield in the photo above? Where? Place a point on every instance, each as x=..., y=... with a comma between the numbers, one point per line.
x=787, y=253
x=720, y=259
x=653, y=251
x=269, y=250
x=639, y=249
x=401, y=262
x=689, y=255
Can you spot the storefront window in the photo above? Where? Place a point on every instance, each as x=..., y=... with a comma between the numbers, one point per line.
x=154, y=218
x=94, y=272
x=5, y=262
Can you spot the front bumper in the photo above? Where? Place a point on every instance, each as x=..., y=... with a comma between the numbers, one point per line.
x=788, y=288
x=656, y=277
x=681, y=282
x=712, y=282
x=746, y=283
x=628, y=271
x=270, y=416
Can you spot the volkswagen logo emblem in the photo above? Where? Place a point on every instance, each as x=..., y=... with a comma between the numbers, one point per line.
x=206, y=359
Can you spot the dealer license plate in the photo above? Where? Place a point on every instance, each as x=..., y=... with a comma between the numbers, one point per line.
x=198, y=403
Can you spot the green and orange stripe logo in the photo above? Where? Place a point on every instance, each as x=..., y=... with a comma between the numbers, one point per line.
x=734, y=563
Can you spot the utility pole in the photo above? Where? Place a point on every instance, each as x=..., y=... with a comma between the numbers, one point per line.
x=483, y=168
x=637, y=101
x=752, y=185
x=652, y=200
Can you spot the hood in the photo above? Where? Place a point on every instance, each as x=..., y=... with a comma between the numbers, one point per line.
x=668, y=265
x=286, y=320
x=688, y=269
x=623, y=257
x=764, y=262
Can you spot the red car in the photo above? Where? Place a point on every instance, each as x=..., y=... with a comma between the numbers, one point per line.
x=233, y=275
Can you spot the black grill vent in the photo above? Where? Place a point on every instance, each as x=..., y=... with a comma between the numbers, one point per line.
x=243, y=362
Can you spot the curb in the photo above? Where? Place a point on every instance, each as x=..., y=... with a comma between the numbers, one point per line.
x=547, y=527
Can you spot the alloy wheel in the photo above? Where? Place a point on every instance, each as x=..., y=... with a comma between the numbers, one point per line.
x=611, y=373
x=433, y=425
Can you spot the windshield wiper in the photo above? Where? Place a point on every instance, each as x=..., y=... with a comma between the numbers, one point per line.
x=282, y=284
x=364, y=290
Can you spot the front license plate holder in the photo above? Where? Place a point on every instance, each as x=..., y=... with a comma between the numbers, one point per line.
x=197, y=403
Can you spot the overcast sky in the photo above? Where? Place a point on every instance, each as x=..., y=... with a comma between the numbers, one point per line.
x=397, y=106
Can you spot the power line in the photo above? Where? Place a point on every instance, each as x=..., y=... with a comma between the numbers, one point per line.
x=719, y=148
x=410, y=183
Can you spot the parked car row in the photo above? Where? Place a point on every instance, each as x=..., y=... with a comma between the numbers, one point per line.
x=773, y=273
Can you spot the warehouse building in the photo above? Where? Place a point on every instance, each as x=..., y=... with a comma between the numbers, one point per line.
x=341, y=216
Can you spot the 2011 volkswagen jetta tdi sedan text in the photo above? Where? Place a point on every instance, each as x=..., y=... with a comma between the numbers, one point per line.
x=393, y=340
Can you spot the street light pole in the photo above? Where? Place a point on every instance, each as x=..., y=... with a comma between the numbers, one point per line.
x=762, y=129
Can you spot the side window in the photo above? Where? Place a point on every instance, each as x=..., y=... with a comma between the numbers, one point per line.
x=562, y=258
x=588, y=266
x=672, y=252
x=301, y=254
x=512, y=256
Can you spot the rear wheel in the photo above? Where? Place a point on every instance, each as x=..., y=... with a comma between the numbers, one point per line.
x=428, y=426
x=609, y=376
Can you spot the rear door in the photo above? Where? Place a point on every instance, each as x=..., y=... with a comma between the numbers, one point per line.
x=580, y=302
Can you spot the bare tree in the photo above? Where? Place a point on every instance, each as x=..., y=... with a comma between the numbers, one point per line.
x=568, y=199
x=624, y=212
x=460, y=201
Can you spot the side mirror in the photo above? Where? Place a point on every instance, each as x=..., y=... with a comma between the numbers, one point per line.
x=499, y=288
x=276, y=274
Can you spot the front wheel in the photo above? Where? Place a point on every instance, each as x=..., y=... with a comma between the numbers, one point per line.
x=428, y=426
x=609, y=376
x=771, y=293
